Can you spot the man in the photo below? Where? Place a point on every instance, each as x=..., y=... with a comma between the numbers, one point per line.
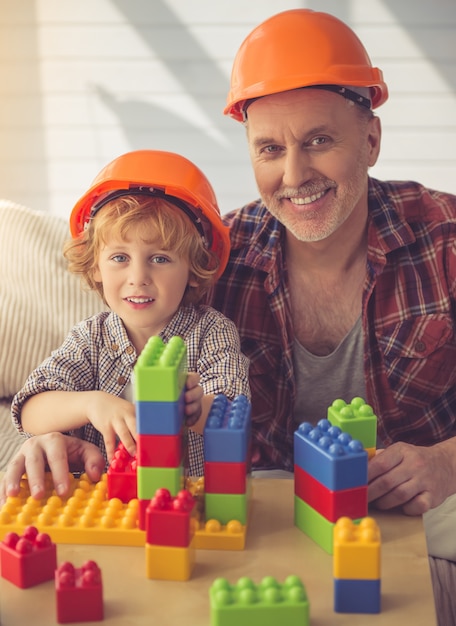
x=340, y=285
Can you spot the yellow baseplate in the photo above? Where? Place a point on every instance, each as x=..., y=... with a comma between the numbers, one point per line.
x=86, y=516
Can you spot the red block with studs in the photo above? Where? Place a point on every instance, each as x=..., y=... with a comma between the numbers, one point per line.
x=121, y=476
x=168, y=519
x=79, y=593
x=28, y=560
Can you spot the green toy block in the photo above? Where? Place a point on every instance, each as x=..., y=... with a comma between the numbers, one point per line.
x=356, y=418
x=267, y=604
x=314, y=525
x=152, y=478
x=160, y=372
x=226, y=507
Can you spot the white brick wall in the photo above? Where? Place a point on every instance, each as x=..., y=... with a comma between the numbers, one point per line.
x=81, y=82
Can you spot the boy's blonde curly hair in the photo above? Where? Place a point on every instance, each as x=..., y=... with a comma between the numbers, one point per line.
x=158, y=219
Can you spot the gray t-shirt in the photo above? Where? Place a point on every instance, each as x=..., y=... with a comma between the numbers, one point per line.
x=322, y=379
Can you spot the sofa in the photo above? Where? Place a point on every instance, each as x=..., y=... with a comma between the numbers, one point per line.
x=40, y=302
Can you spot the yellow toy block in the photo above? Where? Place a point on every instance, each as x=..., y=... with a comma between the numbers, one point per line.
x=356, y=549
x=169, y=562
x=371, y=452
x=212, y=535
x=85, y=516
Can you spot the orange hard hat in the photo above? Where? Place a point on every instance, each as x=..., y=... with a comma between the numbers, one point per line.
x=301, y=48
x=160, y=174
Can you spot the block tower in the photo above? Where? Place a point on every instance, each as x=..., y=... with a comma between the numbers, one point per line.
x=159, y=384
x=356, y=566
x=330, y=480
x=227, y=459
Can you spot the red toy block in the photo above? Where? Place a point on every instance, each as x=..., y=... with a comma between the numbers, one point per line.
x=225, y=477
x=168, y=519
x=28, y=560
x=121, y=476
x=330, y=504
x=79, y=593
x=159, y=450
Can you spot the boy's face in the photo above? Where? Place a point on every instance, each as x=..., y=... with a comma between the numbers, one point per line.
x=142, y=283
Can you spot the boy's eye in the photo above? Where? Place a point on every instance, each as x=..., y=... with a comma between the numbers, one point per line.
x=159, y=259
x=119, y=258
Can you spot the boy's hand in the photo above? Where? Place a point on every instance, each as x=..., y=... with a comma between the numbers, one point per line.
x=193, y=399
x=113, y=416
x=60, y=453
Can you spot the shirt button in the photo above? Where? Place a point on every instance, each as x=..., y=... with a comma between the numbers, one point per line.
x=121, y=380
x=114, y=346
x=129, y=349
x=420, y=346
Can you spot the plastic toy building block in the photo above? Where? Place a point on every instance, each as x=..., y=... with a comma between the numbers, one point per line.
x=161, y=370
x=357, y=596
x=121, y=476
x=28, y=560
x=85, y=516
x=160, y=418
x=225, y=477
x=227, y=430
x=152, y=478
x=356, y=418
x=159, y=450
x=225, y=507
x=266, y=604
x=330, y=456
x=168, y=519
x=212, y=535
x=79, y=593
x=169, y=563
x=331, y=504
x=314, y=525
x=357, y=549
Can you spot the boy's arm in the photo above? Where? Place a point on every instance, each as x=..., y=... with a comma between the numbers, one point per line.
x=64, y=411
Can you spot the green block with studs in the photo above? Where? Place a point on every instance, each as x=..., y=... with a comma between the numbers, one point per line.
x=357, y=419
x=152, y=478
x=160, y=372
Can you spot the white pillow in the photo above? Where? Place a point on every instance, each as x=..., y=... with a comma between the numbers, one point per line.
x=39, y=299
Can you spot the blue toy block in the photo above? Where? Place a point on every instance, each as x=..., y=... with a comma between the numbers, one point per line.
x=356, y=596
x=160, y=418
x=330, y=456
x=227, y=430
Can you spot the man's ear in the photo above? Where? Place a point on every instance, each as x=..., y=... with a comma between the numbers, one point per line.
x=374, y=139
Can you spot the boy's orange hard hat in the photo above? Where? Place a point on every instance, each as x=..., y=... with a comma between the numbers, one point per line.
x=300, y=48
x=161, y=174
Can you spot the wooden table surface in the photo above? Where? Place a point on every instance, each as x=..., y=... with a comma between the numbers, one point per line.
x=273, y=547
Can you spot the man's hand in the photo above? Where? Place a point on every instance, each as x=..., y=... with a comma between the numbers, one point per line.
x=414, y=478
x=61, y=453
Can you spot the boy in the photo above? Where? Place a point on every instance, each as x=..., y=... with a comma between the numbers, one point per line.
x=148, y=237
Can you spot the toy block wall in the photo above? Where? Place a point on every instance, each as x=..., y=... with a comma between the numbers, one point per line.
x=226, y=452
x=159, y=384
x=356, y=566
x=330, y=480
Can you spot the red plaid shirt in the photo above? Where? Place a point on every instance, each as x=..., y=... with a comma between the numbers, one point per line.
x=409, y=313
